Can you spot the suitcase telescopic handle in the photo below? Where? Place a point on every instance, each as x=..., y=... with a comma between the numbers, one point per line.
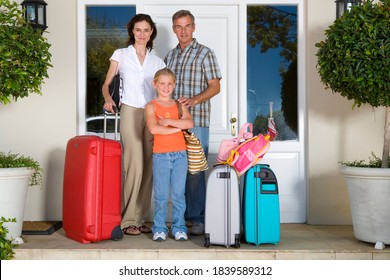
x=116, y=111
x=265, y=175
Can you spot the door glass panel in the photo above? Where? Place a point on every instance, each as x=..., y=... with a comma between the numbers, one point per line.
x=106, y=31
x=272, y=88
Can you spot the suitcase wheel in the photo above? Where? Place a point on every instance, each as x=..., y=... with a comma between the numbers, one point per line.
x=207, y=240
x=116, y=233
x=237, y=242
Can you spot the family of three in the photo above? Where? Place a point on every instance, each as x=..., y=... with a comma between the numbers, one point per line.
x=154, y=152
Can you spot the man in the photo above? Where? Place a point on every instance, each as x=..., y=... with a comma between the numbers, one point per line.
x=197, y=81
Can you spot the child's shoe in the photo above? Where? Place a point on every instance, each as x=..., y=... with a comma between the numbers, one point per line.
x=181, y=236
x=159, y=236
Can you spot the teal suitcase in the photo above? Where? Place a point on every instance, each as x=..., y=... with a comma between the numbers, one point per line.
x=261, y=206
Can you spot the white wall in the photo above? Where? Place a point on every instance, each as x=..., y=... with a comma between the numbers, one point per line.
x=335, y=131
x=41, y=125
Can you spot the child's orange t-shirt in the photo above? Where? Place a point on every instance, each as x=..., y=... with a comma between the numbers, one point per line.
x=170, y=142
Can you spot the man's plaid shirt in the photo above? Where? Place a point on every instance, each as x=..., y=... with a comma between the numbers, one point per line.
x=193, y=67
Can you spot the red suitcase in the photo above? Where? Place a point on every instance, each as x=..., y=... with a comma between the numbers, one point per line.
x=92, y=189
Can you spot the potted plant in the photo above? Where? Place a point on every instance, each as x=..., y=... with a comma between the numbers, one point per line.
x=24, y=63
x=354, y=61
x=16, y=174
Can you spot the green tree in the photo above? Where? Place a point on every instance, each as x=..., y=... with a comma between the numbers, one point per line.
x=289, y=95
x=354, y=60
x=272, y=28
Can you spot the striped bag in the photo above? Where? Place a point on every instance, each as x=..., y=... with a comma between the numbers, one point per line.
x=197, y=161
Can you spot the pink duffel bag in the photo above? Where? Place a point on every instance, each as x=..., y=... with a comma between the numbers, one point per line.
x=229, y=145
x=248, y=153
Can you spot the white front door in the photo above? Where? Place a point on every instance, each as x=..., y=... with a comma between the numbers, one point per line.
x=218, y=27
x=222, y=26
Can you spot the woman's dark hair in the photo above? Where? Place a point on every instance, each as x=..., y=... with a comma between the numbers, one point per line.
x=130, y=27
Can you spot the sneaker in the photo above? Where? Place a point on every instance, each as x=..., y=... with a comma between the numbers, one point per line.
x=181, y=236
x=197, y=229
x=159, y=236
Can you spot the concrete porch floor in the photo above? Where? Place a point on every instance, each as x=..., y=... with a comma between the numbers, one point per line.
x=298, y=242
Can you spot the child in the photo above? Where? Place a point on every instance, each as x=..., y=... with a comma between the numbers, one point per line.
x=169, y=156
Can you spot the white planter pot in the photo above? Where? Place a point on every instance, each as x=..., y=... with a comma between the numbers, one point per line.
x=369, y=195
x=13, y=192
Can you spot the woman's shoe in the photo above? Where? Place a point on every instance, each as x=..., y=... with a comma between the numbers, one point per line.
x=131, y=230
x=145, y=229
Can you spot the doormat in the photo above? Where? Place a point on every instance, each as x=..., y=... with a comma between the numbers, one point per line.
x=40, y=227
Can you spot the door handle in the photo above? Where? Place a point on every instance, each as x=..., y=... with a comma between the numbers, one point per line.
x=233, y=124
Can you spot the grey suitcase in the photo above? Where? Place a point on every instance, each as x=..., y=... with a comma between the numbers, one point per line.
x=222, y=213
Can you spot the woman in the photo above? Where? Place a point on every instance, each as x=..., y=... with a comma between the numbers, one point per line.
x=137, y=66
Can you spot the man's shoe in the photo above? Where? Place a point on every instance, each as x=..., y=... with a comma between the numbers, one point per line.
x=181, y=236
x=188, y=224
x=159, y=236
x=197, y=229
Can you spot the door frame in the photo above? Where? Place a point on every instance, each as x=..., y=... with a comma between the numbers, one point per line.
x=279, y=150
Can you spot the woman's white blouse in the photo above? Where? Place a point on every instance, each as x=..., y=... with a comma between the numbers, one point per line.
x=137, y=79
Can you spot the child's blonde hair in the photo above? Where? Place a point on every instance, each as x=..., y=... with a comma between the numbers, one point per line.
x=164, y=71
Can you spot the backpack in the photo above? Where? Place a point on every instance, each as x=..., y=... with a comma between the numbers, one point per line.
x=228, y=145
x=249, y=153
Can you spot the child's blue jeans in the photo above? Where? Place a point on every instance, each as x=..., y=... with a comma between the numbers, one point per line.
x=169, y=177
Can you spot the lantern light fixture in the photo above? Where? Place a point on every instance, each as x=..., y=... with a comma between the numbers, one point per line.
x=343, y=6
x=35, y=13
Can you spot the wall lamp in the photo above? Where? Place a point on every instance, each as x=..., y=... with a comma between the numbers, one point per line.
x=35, y=13
x=345, y=5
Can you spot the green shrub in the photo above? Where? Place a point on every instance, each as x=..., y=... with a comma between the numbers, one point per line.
x=6, y=246
x=15, y=160
x=373, y=162
x=25, y=56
